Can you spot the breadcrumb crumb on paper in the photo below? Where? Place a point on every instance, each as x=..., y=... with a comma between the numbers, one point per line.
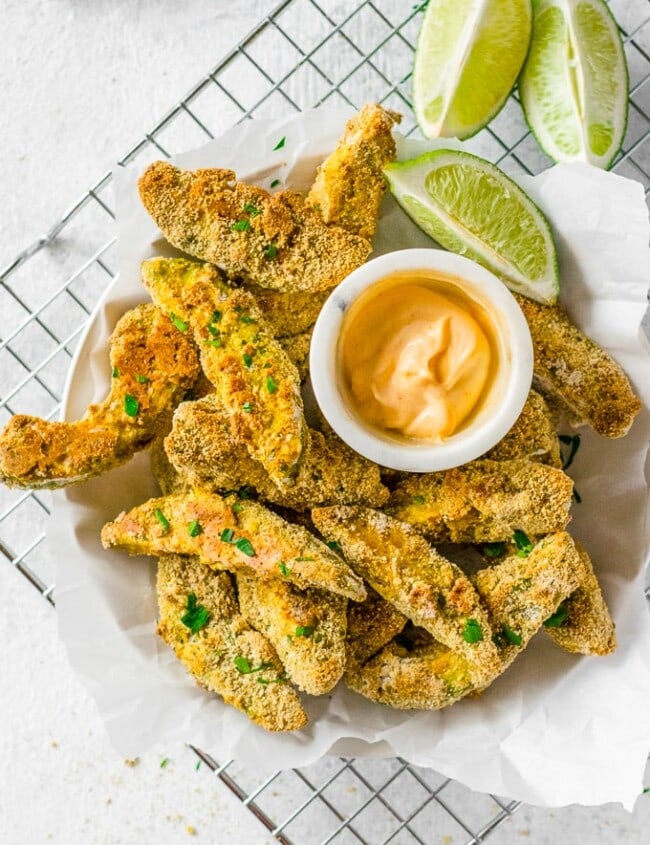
x=530, y=735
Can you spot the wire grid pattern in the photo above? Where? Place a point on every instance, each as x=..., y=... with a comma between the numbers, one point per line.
x=303, y=54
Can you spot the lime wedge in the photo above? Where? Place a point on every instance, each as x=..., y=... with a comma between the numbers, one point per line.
x=574, y=85
x=469, y=54
x=471, y=207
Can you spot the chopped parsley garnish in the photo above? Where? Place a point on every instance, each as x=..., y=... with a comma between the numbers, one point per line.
x=280, y=144
x=245, y=547
x=243, y=666
x=216, y=342
x=164, y=762
x=261, y=680
x=142, y=379
x=271, y=384
x=198, y=766
x=511, y=636
x=493, y=549
x=248, y=360
x=418, y=500
x=162, y=519
x=335, y=547
x=194, y=528
x=115, y=372
x=271, y=251
x=246, y=492
x=181, y=325
x=275, y=183
x=247, y=408
x=241, y=225
x=557, y=619
x=306, y=557
x=573, y=442
x=472, y=632
x=304, y=631
x=246, y=318
x=523, y=544
x=251, y=209
x=226, y=535
x=237, y=507
x=214, y=331
x=216, y=317
x=284, y=569
x=196, y=616
x=131, y=405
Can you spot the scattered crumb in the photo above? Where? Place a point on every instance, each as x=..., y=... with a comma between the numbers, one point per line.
x=131, y=762
x=54, y=744
x=351, y=789
x=447, y=840
x=109, y=800
x=191, y=830
x=524, y=832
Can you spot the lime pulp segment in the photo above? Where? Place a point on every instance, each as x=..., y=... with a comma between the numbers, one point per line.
x=574, y=85
x=471, y=207
x=469, y=54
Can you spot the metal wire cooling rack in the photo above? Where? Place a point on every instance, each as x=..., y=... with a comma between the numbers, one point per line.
x=302, y=54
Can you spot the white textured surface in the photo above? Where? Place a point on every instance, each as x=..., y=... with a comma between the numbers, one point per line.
x=81, y=81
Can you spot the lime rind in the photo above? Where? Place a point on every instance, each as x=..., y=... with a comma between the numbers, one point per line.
x=531, y=109
x=473, y=51
x=506, y=232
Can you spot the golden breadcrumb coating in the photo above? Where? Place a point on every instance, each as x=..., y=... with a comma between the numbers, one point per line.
x=237, y=535
x=588, y=627
x=255, y=380
x=330, y=473
x=306, y=627
x=416, y=672
x=485, y=501
x=533, y=436
x=401, y=566
x=275, y=242
x=289, y=314
x=583, y=377
x=297, y=350
x=152, y=363
x=350, y=183
x=216, y=653
x=371, y=624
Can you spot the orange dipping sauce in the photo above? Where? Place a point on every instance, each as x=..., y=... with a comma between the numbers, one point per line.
x=417, y=355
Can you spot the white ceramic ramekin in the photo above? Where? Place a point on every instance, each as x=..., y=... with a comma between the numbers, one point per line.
x=499, y=409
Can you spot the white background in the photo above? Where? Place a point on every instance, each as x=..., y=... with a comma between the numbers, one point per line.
x=81, y=80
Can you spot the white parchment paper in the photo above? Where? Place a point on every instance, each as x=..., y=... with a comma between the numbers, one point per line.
x=556, y=728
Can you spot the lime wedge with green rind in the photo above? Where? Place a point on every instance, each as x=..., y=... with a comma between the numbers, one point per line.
x=468, y=57
x=471, y=207
x=574, y=85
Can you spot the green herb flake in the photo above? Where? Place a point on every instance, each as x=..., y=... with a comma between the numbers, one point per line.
x=213, y=330
x=142, y=379
x=271, y=251
x=196, y=616
x=251, y=209
x=248, y=360
x=164, y=762
x=241, y=225
x=280, y=144
x=523, y=544
x=573, y=442
x=261, y=680
x=271, y=384
x=243, y=666
x=493, y=550
x=245, y=547
x=216, y=317
x=115, y=372
x=198, y=766
x=335, y=547
x=274, y=183
x=511, y=636
x=247, y=408
x=131, y=405
x=304, y=558
x=237, y=508
x=162, y=519
x=247, y=319
x=246, y=492
x=181, y=325
x=304, y=631
x=284, y=569
x=558, y=619
x=216, y=342
x=226, y=535
x=194, y=528
x=418, y=500
x=472, y=632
